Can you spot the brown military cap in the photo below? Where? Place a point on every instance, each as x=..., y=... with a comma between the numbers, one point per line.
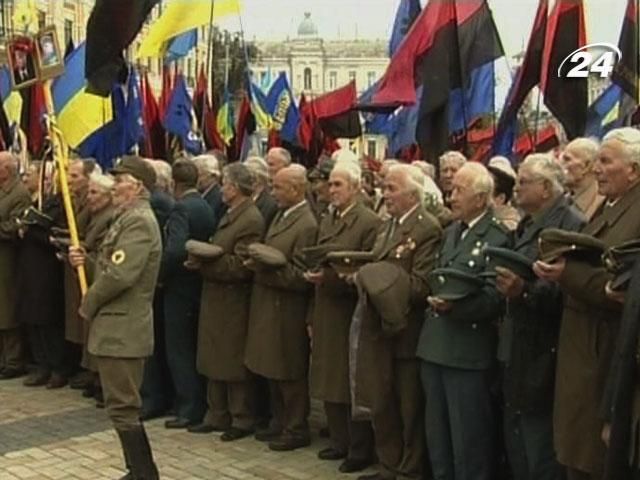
x=619, y=260
x=389, y=289
x=554, y=243
x=203, y=249
x=266, y=255
x=138, y=169
x=505, y=258
x=347, y=262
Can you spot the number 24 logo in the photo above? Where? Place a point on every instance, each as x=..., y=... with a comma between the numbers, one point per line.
x=602, y=65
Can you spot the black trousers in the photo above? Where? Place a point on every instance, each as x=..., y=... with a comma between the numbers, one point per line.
x=48, y=347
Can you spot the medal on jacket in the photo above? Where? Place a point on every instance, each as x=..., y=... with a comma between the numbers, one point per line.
x=118, y=257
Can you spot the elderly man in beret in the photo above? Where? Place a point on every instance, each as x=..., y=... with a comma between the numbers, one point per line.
x=410, y=239
x=350, y=227
x=591, y=319
x=277, y=343
x=118, y=306
x=224, y=311
x=530, y=332
x=457, y=344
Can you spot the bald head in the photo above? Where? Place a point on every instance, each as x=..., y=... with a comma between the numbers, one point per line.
x=289, y=185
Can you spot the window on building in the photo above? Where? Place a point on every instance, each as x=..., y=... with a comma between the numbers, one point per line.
x=42, y=19
x=371, y=78
x=352, y=75
x=307, y=79
x=333, y=80
x=372, y=148
x=68, y=31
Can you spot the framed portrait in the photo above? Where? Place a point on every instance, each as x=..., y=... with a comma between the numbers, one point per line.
x=50, y=58
x=22, y=61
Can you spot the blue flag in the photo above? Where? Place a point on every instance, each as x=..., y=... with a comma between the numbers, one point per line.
x=479, y=98
x=608, y=111
x=181, y=45
x=408, y=11
x=133, y=120
x=281, y=107
x=179, y=118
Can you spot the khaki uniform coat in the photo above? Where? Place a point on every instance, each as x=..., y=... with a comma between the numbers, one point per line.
x=119, y=302
x=226, y=295
x=587, y=337
x=334, y=303
x=277, y=342
x=14, y=200
x=74, y=328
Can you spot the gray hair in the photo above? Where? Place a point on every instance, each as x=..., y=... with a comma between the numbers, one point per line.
x=259, y=168
x=481, y=178
x=351, y=171
x=630, y=139
x=544, y=167
x=428, y=169
x=453, y=156
x=298, y=174
x=413, y=176
x=105, y=182
x=164, y=177
x=281, y=153
x=240, y=175
x=208, y=163
x=344, y=155
x=586, y=148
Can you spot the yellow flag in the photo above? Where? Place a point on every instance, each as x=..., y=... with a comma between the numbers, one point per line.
x=179, y=17
x=25, y=16
x=13, y=107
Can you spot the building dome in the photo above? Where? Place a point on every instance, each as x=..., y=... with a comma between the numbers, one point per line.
x=307, y=28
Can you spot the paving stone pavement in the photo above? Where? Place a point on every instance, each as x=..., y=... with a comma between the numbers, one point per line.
x=58, y=434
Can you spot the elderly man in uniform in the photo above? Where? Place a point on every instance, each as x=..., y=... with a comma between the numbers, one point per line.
x=410, y=239
x=209, y=181
x=590, y=318
x=224, y=313
x=450, y=163
x=118, y=306
x=532, y=321
x=458, y=341
x=351, y=226
x=14, y=200
x=191, y=217
x=277, y=159
x=277, y=344
x=578, y=159
x=261, y=197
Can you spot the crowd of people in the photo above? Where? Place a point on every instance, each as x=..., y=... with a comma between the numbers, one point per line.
x=212, y=298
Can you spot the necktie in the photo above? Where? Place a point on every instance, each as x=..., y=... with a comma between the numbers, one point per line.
x=392, y=229
x=463, y=228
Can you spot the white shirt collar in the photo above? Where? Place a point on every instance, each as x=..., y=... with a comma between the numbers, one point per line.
x=406, y=215
x=291, y=209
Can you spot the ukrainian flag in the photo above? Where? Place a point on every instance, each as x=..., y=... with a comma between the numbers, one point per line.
x=258, y=106
x=79, y=113
x=11, y=99
x=180, y=16
x=224, y=120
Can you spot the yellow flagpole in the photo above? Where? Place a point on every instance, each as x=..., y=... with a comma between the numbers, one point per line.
x=60, y=158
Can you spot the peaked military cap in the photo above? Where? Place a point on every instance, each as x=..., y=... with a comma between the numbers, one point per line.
x=138, y=169
x=453, y=284
x=620, y=260
x=389, y=289
x=266, y=255
x=505, y=258
x=32, y=216
x=347, y=262
x=203, y=249
x=316, y=256
x=554, y=243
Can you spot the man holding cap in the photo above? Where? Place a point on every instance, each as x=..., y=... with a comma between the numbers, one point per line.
x=118, y=306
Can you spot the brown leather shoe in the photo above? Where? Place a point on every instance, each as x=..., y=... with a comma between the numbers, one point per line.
x=286, y=443
x=37, y=378
x=56, y=381
x=267, y=434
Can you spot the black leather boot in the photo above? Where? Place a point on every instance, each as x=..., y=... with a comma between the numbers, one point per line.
x=138, y=455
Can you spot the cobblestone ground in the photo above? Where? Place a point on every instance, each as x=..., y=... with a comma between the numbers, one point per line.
x=59, y=435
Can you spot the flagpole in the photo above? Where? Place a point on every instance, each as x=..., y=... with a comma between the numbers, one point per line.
x=209, y=66
x=60, y=158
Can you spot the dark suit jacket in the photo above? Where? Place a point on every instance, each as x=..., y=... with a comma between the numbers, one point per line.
x=465, y=337
x=213, y=197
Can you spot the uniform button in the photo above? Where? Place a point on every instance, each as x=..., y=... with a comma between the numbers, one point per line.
x=474, y=326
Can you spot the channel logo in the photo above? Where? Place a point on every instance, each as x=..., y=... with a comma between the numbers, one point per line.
x=585, y=63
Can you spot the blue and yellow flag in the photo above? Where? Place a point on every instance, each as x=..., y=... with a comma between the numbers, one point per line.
x=79, y=113
x=179, y=17
x=258, y=106
x=283, y=110
x=224, y=119
x=11, y=99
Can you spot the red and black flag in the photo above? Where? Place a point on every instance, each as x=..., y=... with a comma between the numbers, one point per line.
x=154, y=145
x=205, y=115
x=627, y=71
x=112, y=26
x=566, y=98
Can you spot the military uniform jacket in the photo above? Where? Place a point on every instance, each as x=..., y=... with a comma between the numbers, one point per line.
x=587, y=336
x=226, y=295
x=334, y=303
x=277, y=342
x=119, y=302
x=530, y=331
x=413, y=246
x=14, y=200
x=267, y=206
x=465, y=337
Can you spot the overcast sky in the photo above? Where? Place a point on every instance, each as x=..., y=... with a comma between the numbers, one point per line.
x=277, y=19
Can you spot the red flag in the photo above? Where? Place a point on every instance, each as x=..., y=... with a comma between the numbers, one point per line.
x=167, y=90
x=205, y=114
x=154, y=145
x=245, y=125
x=37, y=108
x=274, y=139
